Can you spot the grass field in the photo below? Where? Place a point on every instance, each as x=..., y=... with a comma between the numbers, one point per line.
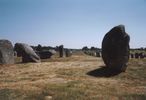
x=79, y=77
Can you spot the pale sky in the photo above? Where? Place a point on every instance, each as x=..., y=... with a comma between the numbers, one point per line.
x=73, y=23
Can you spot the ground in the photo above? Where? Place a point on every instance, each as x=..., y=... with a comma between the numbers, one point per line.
x=79, y=77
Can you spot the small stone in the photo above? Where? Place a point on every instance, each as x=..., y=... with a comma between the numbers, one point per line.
x=48, y=97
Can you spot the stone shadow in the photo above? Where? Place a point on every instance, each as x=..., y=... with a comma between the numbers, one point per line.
x=103, y=71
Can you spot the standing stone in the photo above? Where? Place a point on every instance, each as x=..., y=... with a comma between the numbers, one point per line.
x=68, y=53
x=6, y=52
x=136, y=55
x=141, y=55
x=144, y=55
x=132, y=55
x=115, y=48
x=97, y=54
x=27, y=53
x=61, y=50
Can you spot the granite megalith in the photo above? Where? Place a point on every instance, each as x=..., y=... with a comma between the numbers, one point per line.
x=115, y=48
x=27, y=53
x=6, y=52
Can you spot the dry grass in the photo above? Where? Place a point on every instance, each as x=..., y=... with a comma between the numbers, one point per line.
x=69, y=79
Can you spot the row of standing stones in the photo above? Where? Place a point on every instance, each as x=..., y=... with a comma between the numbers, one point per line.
x=115, y=50
x=26, y=52
x=94, y=53
x=138, y=55
x=64, y=52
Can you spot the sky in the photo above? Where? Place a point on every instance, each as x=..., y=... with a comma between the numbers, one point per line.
x=73, y=23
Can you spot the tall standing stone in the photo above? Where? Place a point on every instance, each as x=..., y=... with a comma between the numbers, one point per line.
x=6, y=52
x=61, y=51
x=115, y=48
x=27, y=53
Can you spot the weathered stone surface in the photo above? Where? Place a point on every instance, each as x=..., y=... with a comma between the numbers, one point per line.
x=115, y=48
x=27, y=53
x=6, y=52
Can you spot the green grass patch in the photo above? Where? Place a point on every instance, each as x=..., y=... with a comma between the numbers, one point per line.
x=133, y=97
x=67, y=91
x=9, y=94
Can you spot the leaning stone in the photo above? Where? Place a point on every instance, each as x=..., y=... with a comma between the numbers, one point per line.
x=27, y=53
